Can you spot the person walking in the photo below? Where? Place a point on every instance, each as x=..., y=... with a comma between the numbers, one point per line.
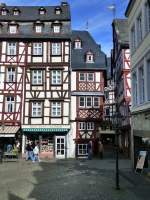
x=90, y=150
x=101, y=149
x=36, y=153
x=29, y=152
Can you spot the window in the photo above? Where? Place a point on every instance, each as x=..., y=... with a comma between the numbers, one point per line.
x=95, y=101
x=133, y=41
x=139, y=28
x=37, y=49
x=134, y=90
x=12, y=29
x=77, y=44
x=90, y=125
x=82, y=125
x=56, y=48
x=82, y=101
x=89, y=102
x=56, y=77
x=57, y=11
x=56, y=28
x=11, y=48
x=16, y=12
x=148, y=80
x=83, y=149
x=4, y=12
x=90, y=77
x=11, y=74
x=89, y=57
x=141, y=84
x=10, y=104
x=56, y=109
x=42, y=11
x=36, y=109
x=38, y=28
x=82, y=77
x=37, y=77
x=147, y=17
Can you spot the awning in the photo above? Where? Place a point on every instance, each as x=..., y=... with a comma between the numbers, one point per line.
x=8, y=131
x=50, y=130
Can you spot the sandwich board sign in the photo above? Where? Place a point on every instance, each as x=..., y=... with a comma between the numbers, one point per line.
x=141, y=161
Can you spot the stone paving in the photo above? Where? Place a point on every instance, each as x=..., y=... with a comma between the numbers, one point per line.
x=70, y=180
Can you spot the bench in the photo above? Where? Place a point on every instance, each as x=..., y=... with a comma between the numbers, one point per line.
x=10, y=156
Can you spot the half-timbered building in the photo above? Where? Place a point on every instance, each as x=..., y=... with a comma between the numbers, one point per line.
x=122, y=79
x=34, y=70
x=87, y=90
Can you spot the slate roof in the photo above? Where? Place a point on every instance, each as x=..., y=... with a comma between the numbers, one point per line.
x=121, y=28
x=31, y=13
x=78, y=61
x=108, y=68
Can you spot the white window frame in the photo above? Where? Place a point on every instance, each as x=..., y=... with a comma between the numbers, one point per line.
x=12, y=29
x=4, y=12
x=58, y=11
x=82, y=75
x=56, y=28
x=36, y=109
x=11, y=48
x=89, y=58
x=37, y=77
x=11, y=74
x=15, y=12
x=10, y=103
x=38, y=28
x=56, y=109
x=139, y=28
x=90, y=126
x=89, y=74
x=37, y=49
x=82, y=126
x=77, y=44
x=87, y=101
x=42, y=12
x=56, y=77
x=82, y=106
x=134, y=86
x=56, y=49
x=148, y=79
x=82, y=151
x=96, y=106
x=141, y=85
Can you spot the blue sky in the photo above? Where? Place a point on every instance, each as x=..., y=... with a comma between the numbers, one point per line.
x=96, y=12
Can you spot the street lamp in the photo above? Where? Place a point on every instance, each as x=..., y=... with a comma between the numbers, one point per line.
x=116, y=122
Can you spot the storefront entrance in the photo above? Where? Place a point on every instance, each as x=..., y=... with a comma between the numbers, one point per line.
x=60, y=147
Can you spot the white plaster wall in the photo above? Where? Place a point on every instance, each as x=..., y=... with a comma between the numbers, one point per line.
x=44, y=51
x=98, y=77
x=55, y=121
x=73, y=81
x=56, y=59
x=66, y=108
x=36, y=120
x=46, y=120
x=73, y=107
x=37, y=59
x=70, y=141
x=65, y=120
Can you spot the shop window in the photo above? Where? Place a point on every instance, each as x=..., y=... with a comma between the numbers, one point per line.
x=82, y=149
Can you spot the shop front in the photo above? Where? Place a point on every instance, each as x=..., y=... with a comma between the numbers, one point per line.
x=52, y=141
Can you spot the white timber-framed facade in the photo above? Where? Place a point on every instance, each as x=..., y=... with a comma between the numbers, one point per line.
x=35, y=77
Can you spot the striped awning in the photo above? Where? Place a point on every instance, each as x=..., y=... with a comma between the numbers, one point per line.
x=8, y=131
x=48, y=130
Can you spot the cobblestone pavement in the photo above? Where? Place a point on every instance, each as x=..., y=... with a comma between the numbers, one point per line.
x=70, y=180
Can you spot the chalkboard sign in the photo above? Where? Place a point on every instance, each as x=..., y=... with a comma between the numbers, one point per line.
x=141, y=161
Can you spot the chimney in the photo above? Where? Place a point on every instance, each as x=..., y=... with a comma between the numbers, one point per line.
x=2, y=4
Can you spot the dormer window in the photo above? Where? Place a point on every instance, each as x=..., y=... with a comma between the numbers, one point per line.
x=12, y=29
x=42, y=11
x=57, y=11
x=77, y=44
x=16, y=11
x=56, y=28
x=4, y=11
x=89, y=57
x=38, y=29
